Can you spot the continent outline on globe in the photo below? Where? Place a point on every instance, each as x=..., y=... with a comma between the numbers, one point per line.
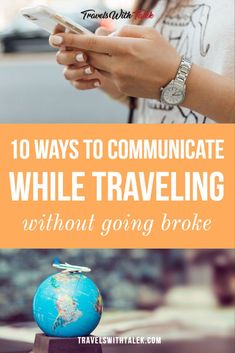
x=67, y=305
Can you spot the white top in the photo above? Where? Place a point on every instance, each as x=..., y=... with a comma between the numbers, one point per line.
x=203, y=30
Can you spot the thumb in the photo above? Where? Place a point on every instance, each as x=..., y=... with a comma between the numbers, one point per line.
x=102, y=31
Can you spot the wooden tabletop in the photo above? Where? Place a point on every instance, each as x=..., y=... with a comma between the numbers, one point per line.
x=7, y=346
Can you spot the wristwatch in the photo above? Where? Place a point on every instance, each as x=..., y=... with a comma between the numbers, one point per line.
x=174, y=93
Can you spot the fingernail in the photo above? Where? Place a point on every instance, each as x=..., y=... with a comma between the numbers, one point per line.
x=97, y=84
x=56, y=40
x=80, y=58
x=88, y=71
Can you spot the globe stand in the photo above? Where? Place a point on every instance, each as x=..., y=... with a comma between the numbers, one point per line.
x=45, y=344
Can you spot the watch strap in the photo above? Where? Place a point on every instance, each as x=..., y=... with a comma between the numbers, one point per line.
x=183, y=71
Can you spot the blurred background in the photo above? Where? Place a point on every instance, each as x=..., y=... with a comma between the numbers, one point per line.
x=32, y=86
x=181, y=295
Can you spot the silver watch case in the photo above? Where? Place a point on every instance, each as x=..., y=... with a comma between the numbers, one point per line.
x=173, y=85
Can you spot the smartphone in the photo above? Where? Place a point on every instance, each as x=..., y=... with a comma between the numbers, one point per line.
x=47, y=19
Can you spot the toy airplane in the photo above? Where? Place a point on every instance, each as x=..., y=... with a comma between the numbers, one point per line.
x=69, y=268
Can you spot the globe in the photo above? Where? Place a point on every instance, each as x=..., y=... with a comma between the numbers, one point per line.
x=67, y=305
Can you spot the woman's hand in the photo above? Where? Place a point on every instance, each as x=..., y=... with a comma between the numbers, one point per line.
x=80, y=73
x=138, y=60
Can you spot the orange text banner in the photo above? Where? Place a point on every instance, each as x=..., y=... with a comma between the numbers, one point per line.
x=117, y=186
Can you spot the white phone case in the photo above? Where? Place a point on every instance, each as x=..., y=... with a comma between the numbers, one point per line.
x=48, y=19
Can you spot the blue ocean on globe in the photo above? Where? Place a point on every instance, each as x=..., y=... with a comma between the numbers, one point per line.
x=67, y=305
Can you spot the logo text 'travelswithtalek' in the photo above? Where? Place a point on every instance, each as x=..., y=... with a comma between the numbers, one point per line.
x=91, y=14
